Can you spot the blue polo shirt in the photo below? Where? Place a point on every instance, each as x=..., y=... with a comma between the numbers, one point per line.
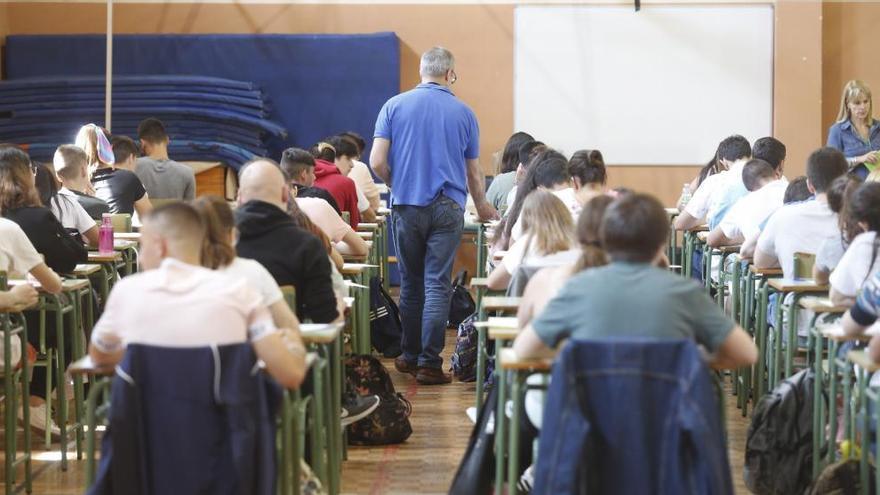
x=432, y=133
x=843, y=136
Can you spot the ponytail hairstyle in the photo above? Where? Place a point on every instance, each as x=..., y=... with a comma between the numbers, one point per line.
x=544, y=162
x=324, y=151
x=95, y=141
x=217, y=249
x=864, y=207
x=547, y=223
x=588, y=228
x=588, y=167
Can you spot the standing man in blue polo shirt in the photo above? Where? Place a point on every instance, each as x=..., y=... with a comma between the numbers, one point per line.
x=427, y=148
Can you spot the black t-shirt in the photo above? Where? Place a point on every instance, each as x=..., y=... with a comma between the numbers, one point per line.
x=119, y=188
x=61, y=251
x=94, y=207
x=317, y=192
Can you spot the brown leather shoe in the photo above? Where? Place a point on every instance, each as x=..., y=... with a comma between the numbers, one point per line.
x=404, y=366
x=432, y=376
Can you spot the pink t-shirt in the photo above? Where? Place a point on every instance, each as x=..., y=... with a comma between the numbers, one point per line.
x=181, y=305
x=325, y=217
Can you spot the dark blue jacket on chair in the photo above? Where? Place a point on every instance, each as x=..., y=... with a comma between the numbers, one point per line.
x=189, y=421
x=632, y=417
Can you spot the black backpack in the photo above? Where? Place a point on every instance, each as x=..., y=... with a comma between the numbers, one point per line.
x=385, y=326
x=389, y=423
x=464, y=357
x=461, y=305
x=779, y=444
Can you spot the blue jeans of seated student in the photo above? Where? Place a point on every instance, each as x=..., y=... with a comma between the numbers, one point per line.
x=426, y=238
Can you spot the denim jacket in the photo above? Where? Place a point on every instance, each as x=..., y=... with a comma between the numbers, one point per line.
x=843, y=136
x=189, y=420
x=632, y=416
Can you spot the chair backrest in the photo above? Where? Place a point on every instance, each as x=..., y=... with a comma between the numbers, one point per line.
x=190, y=420
x=803, y=265
x=632, y=416
x=121, y=222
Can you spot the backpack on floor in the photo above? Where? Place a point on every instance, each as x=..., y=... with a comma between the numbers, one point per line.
x=779, y=443
x=841, y=478
x=461, y=304
x=389, y=423
x=385, y=326
x=464, y=357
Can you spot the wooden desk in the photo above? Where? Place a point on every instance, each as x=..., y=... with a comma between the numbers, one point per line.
x=367, y=227
x=479, y=282
x=734, y=248
x=498, y=255
x=365, y=235
x=501, y=303
x=352, y=269
x=821, y=305
x=85, y=366
x=702, y=235
x=796, y=286
x=672, y=211
x=67, y=284
x=510, y=361
x=99, y=257
x=699, y=228
x=85, y=270
x=500, y=327
x=126, y=236
x=320, y=333
x=768, y=272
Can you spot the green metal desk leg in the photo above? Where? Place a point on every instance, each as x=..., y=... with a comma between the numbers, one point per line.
x=862, y=380
x=481, y=251
x=518, y=389
x=500, y=428
x=818, y=424
x=482, y=345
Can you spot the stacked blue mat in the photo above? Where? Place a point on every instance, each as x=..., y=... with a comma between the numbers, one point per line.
x=208, y=118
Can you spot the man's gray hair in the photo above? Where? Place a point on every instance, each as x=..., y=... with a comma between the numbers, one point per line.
x=436, y=62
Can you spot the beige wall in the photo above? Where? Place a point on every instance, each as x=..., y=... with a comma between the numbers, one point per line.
x=850, y=51
x=809, y=63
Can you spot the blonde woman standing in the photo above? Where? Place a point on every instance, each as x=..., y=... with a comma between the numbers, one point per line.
x=856, y=132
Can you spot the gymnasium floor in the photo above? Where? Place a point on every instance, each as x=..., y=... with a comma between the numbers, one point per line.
x=424, y=464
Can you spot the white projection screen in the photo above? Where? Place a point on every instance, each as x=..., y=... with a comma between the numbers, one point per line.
x=657, y=87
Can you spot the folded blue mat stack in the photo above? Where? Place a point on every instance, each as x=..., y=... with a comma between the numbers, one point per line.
x=208, y=118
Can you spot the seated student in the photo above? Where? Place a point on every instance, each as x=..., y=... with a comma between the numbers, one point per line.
x=360, y=171
x=125, y=152
x=175, y=302
x=588, y=175
x=526, y=155
x=833, y=247
x=504, y=181
x=346, y=153
x=864, y=313
x=743, y=221
x=321, y=213
x=329, y=177
x=268, y=234
x=303, y=180
x=163, y=178
x=219, y=254
x=801, y=227
x=20, y=203
x=548, y=237
x=551, y=173
x=632, y=297
x=859, y=262
x=797, y=191
x=72, y=169
x=545, y=284
x=710, y=197
x=121, y=189
x=66, y=209
x=711, y=167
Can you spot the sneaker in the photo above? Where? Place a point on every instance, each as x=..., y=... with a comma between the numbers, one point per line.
x=404, y=366
x=357, y=408
x=526, y=481
x=38, y=419
x=432, y=376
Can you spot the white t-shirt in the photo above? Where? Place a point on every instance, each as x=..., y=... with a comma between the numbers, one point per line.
x=707, y=198
x=360, y=174
x=511, y=197
x=181, y=305
x=567, y=196
x=797, y=228
x=257, y=277
x=17, y=255
x=523, y=252
x=747, y=215
x=363, y=202
x=325, y=217
x=856, y=265
x=70, y=213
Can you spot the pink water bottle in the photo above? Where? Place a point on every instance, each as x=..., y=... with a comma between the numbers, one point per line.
x=105, y=235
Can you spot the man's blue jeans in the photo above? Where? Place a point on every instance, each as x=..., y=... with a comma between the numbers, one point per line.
x=426, y=238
